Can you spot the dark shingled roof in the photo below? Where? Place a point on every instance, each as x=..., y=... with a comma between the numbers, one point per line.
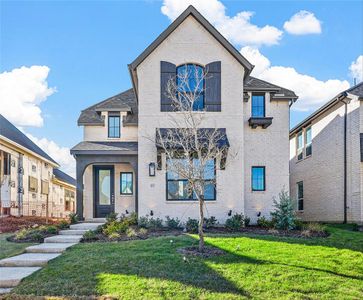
x=12, y=133
x=96, y=147
x=356, y=90
x=255, y=84
x=125, y=102
x=61, y=176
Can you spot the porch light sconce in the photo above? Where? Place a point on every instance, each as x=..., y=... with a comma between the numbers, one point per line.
x=230, y=213
x=151, y=213
x=259, y=214
x=127, y=212
x=151, y=169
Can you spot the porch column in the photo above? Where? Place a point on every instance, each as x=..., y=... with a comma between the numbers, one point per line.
x=79, y=179
x=135, y=167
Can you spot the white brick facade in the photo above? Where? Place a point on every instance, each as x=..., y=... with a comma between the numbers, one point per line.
x=323, y=172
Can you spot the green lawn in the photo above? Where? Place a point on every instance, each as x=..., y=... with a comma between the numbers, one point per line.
x=8, y=249
x=255, y=267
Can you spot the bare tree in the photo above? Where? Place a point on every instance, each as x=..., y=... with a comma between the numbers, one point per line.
x=193, y=152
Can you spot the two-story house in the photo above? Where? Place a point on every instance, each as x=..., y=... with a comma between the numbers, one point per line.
x=326, y=160
x=119, y=167
x=30, y=182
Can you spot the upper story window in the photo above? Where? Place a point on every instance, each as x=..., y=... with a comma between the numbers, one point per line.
x=190, y=86
x=114, y=126
x=258, y=105
x=300, y=145
x=308, y=140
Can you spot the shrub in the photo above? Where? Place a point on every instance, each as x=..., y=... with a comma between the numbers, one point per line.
x=210, y=222
x=114, y=236
x=155, y=223
x=284, y=213
x=133, y=218
x=263, y=222
x=143, y=222
x=247, y=221
x=143, y=231
x=35, y=235
x=192, y=225
x=89, y=235
x=52, y=229
x=315, y=228
x=115, y=226
x=21, y=234
x=63, y=224
x=236, y=222
x=299, y=224
x=172, y=223
x=73, y=218
x=130, y=232
x=111, y=217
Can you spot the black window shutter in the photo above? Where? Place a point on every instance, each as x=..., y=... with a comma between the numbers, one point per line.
x=213, y=86
x=167, y=72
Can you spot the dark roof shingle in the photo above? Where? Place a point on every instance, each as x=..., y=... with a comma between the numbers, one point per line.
x=60, y=175
x=9, y=131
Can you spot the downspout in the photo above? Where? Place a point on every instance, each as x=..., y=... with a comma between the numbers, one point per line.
x=342, y=97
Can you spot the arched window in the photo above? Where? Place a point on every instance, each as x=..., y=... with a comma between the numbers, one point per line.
x=190, y=85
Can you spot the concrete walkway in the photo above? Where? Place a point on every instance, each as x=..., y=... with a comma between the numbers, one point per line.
x=14, y=269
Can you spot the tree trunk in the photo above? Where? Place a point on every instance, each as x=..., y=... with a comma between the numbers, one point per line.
x=201, y=223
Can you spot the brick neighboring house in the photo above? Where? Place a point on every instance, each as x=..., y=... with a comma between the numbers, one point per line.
x=120, y=169
x=326, y=160
x=28, y=176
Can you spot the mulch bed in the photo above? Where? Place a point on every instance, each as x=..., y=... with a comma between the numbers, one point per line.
x=151, y=233
x=29, y=240
x=12, y=224
x=207, y=252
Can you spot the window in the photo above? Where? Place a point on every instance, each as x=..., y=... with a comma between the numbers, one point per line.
x=45, y=187
x=113, y=126
x=177, y=187
x=300, y=145
x=258, y=179
x=33, y=184
x=69, y=200
x=126, y=185
x=7, y=163
x=300, y=196
x=258, y=105
x=190, y=81
x=308, y=149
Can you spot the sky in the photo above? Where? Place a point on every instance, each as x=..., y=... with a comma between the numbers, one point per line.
x=59, y=57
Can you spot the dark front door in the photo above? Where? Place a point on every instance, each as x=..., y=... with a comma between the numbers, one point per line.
x=104, y=190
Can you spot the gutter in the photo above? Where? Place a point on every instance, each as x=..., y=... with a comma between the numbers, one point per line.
x=341, y=97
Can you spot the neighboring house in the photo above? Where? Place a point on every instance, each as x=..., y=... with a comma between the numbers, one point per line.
x=29, y=178
x=119, y=167
x=326, y=160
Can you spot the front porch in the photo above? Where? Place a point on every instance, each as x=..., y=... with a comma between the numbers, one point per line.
x=106, y=178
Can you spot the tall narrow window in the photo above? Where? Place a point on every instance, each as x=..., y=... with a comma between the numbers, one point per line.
x=258, y=105
x=126, y=187
x=258, y=179
x=308, y=140
x=300, y=145
x=190, y=86
x=113, y=126
x=300, y=196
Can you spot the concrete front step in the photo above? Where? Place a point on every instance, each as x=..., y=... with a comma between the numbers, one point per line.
x=49, y=248
x=11, y=276
x=28, y=260
x=63, y=239
x=95, y=220
x=5, y=291
x=72, y=232
x=85, y=226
